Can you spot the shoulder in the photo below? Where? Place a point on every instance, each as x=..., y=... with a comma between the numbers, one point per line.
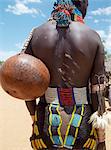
x=48, y=27
x=83, y=29
x=45, y=34
x=84, y=32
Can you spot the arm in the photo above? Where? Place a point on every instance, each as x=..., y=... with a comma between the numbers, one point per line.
x=97, y=77
x=31, y=105
x=97, y=87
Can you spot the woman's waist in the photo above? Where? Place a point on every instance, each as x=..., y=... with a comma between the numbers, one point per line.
x=67, y=96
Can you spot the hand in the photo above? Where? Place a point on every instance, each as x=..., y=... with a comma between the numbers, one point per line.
x=101, y=135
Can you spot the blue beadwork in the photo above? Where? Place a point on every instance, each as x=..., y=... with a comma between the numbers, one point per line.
x=65, y=2
x=63, y=11
x=75, y=121
x=55, y=120
x=56, y=140
x=69, y=140
x=77, y=12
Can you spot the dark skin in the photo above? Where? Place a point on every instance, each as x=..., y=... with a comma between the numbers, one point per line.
x=73, y=56
x=69, y=53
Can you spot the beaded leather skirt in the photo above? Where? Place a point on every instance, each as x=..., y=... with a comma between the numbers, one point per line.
x=64, y=122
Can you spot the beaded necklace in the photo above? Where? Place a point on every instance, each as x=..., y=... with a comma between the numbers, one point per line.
x=65, y=11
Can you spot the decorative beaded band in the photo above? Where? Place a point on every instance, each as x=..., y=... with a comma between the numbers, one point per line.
x=66, y=96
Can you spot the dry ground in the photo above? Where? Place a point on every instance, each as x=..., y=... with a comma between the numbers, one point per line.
x=15, y=124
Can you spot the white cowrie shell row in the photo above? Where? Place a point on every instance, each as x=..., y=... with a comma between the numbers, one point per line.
x=28, y=40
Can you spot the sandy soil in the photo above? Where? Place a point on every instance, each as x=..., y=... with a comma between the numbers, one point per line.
x=15, y=124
